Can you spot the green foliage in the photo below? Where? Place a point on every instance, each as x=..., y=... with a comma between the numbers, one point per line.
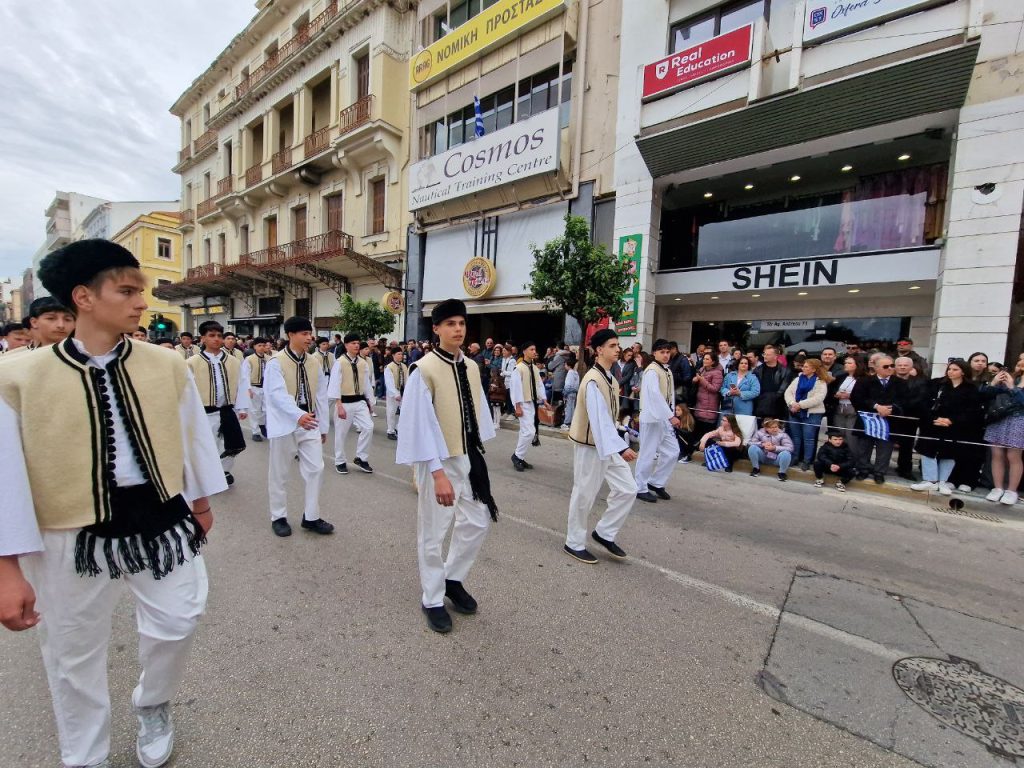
x=367, y=318
x=574, y=275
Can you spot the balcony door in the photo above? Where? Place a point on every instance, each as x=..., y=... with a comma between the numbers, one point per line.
x=271, y=232
x=299, y=223
x=335, y=217
x=363, y=76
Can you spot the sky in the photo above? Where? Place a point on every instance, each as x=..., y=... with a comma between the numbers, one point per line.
x=87, y=85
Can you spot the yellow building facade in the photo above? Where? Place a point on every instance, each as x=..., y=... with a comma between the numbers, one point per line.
x=155, y=240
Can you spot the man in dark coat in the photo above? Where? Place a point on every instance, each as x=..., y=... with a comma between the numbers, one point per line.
x=884, y=394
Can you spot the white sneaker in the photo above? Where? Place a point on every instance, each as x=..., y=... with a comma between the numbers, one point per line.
x=964, y=488
x=1009, y=498
x=994, y=495
x=684, y=460
x=564, y=428
x=156, y=735
x=924, y=485
x=946, y=489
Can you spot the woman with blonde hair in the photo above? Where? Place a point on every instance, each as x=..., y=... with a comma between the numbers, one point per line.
x=805, y=397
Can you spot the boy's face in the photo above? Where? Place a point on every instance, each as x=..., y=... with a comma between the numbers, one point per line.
x=352, y=348
x=53, y=327
x=452, y=331
x=213, y=340
x=118, y=303
x=836, y=441
x=324, y=346
x=300, y=340
x=662, y=355
x=399, y=357
x=17, y=339
x=186, y=341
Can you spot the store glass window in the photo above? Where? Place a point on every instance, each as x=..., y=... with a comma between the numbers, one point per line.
x=692, y=32
x=726, y=18
x=809, y=336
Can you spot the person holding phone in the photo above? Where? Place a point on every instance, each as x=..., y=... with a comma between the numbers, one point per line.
x=1006, y=438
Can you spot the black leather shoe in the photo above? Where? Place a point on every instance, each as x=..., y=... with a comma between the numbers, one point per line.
x=462, y=601
x=363, y=465
x=518, y=464
x=613, y=549
x=281, y=527
x=582, y=555
x=661, y=493
x=230, y=478
x=392, y=436
x=782, y=477
x=647, y=496
x=317, y=526
x=755, y=472
x=879, y=479
x=257, y=438
x=341, y=469
x=438, y=619
x=526, y=464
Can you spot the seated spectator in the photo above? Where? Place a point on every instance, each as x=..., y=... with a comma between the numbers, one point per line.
x=708, y=381
x=834, y=458
x=805, y=397
x=953, y=404
x=770, y=445
x=684, y=433
x=1005, y=436
x=739, y=389
x=881, y=394
x=728, y=437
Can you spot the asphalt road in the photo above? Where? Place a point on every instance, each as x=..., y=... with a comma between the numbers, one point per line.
x=753, y=625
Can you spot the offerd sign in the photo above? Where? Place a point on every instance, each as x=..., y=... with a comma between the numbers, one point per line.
x=687, y=67
x=477, y=36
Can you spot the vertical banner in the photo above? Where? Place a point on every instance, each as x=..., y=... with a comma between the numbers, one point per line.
x=630, y=250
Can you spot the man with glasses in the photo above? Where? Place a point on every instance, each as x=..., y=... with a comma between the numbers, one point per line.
x=883, y=394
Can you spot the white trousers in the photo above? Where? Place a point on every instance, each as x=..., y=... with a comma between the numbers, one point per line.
x=659, y=451
x=305, y=442
x=213, y=419
x=496, y=414
x=472, y=521
x=588, y=470
x=391, y=410
x=356, y=415
x=526, y=430
x=257, y=413
x=75, y=632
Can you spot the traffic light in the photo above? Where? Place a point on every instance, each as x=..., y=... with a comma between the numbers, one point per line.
x=158, y=323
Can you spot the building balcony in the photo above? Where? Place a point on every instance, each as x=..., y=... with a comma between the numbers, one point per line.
x=254, y=175
x=185, y=154
x=201, y=147
x=188, y=219
x=317, y=142
x=281, y=161
x=355, y=115
x=207, y=208
x=225, y=186
x=311, y=249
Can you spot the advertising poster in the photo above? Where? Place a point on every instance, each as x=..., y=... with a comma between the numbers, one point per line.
x=631, y=250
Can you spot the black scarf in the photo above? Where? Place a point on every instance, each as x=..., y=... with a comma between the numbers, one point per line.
x=479, y=480
x=355, y=374
x=536, y=412
x=301, y=380
x=231, y=431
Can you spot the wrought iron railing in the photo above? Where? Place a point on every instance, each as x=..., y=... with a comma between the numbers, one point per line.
x=205, y=141
x=281, y=161
x=315, y=248
x=356, y=114
x=317, y=142
x=206, y=207
x=254, y=175
x=225, y=186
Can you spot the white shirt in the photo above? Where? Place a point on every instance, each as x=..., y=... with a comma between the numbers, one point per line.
x=572, y=381
x=203, y=476
x=607, y=439
x=655, y=407
x=725, y=361
x=419, y=433
x=282, y=412
x=508, y=367
x=519, y=395
x=390, y=385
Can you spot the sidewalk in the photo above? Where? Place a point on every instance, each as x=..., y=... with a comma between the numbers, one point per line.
x=975, y=505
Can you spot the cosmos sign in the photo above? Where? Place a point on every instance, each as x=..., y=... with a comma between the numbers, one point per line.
x=521, y=150
x=689, y=66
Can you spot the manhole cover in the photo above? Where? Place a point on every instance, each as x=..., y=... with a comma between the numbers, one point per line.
x=958, y=694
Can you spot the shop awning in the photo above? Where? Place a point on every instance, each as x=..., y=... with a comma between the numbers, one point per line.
x=922, y=86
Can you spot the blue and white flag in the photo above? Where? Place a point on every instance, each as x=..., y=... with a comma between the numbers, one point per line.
x=874, y=425
x=479, y=116
x=714, y=458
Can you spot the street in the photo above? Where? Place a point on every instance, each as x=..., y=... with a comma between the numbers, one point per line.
x=755, y=623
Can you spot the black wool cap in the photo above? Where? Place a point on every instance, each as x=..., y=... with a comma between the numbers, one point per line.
x=526, y=345
x=297, y=325
x=363, y=345
x=78, y=263
x=45, y=304
x=447, y=308
x=350, y=337
x=661, y=344
x=601, y=338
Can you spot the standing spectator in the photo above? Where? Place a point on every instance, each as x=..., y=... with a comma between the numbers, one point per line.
x=773, y=378
x=570, y=388
x=682, y=372
x=915, y=404
x=805, y=398
x=696, y=359
x=953, y=404
x=853, y=350
x=905, y=348
x=728, y=437
x=1005, y=435
x=508, y=370
x=708, y=381
x=834, y=457
x=882, y=394
x=724, y=355
x=496, y=392
x=557, y=369
x=830, y=360
x=739, y=390
x=797, y=363
x=627, y=367
x=770, y=445
x=488, y=350
x=839, y=408
x=737, y=355
x=755, y=362
x=967, y=472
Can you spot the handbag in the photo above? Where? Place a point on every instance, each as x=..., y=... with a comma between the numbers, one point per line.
x=1003, y=405
x=715, y=458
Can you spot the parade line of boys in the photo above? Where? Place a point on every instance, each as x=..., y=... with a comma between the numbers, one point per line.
x=148, y=435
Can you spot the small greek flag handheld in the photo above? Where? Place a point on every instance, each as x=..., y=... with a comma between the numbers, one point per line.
x=479, y=116
x=874, y=425
x=714, y=458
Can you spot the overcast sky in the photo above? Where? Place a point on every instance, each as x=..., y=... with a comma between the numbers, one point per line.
x=87, y=85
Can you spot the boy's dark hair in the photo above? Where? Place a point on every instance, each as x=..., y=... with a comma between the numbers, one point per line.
x=183, y=334
x=836, y=433
x=260, y=340
x=210, y=325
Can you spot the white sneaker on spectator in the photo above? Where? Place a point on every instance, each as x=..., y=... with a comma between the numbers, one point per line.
x=946, y=489
x=924, y=485
x=964, y=488
x=1009, y=498
x=684, y=460
x=994, y=495
x=564, y=428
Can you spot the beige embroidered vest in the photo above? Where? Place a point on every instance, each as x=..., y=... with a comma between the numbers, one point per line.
x=290, y=371
x=440, y=378
x=202, y=370
x=579, y=430
x=664, y=383
x=349, y=384
x=399, y=373
x=524, y=373
x=257, y=367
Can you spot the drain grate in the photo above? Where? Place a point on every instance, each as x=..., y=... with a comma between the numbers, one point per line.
x=958, y=694
x=968, y=513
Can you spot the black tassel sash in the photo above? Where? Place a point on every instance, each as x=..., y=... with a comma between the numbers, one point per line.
x=143, y=534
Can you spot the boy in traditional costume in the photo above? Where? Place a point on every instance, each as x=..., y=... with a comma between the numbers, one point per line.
x=224, y=392
x=443, y=426
x=231, y=346
x=527, y=393
x=599, y=454
x=351, y=385
x=295, y=392
x=659, y=449
x=396, y=374
x=254, y=369
x=126, y=505
x=186, y=348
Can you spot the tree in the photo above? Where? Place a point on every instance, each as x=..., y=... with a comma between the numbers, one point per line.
x=367, y=318
x=574, y=275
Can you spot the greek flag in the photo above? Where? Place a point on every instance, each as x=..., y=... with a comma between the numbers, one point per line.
x=874, y=425
x=714, y=458
x=479, y=116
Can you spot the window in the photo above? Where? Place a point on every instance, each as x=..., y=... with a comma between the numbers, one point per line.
x=188, y=132
x=243, y=238
x=335, y=214
x=206, y=186
x=270, y=232
x=538, y=93
x=302, y=307
x=163, y=248
x=377, y=201
x=188, y=256
x=161, y=282
x=222, y=248
x=299, y=223
x=461, y=12
x=362, y=76
x=228, y=161
x=206, y=250
x=206, y=115
x=269, y=305
x=724, y=19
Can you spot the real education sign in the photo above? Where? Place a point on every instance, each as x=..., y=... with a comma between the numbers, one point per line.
x=689, y=66
x=480, y=34
x=517, y=152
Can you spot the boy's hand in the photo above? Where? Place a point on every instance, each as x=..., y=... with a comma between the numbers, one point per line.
x=17, y=598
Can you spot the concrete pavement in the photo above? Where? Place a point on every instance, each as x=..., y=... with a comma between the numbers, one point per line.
x=694, y=652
